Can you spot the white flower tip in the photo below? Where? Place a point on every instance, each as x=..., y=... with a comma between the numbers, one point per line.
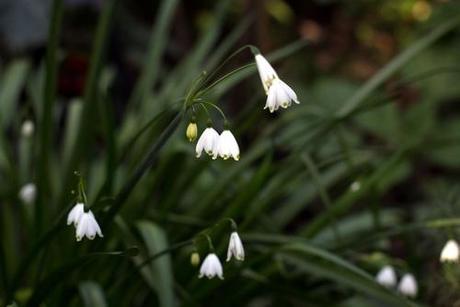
x=450, y=252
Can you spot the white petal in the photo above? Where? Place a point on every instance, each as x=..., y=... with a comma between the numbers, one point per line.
x=75, y=214
x=408, y=285
x=266, y=71
x=82, y=227
x=450, y=252
x=386, y=276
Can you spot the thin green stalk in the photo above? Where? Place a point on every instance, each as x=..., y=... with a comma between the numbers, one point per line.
x=46, y=122
x=143, y=167
x=90, y=96
x=356, y=99
x=322, y=192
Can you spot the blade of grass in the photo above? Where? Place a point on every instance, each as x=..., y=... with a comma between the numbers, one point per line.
x=157, y=44
x=46, y=122
x=354, y=101
x=89, y=110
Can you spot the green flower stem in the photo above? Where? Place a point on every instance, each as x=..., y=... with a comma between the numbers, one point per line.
x=46, y=122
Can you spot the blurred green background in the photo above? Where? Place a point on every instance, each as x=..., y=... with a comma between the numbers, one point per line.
x=362, y=174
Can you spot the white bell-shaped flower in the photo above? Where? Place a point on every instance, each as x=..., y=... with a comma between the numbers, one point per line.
x=408, y=286
x=266, y=72
x=235, y=247
x=280, y=95
x=207, y=142
x=211, y=267
x=28, y=193
x=27, y=128
x=386, y=276
x=227, y=146
x=87, y=226
x=75, y=214
x=450, y=252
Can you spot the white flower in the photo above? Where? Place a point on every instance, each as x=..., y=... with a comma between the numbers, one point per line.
x=386, y=276
x=207, y=142
x=75, y=214
x=227, y=146
x=408, y=285
x=211, y=267
x=28, y=193
x=27, y=128
x=280, y=95
x=87, y=226
x=266, y=72
x=450, y=252
x=235, y=247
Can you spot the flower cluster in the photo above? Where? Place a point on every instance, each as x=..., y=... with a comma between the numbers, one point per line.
x=85, y=223
x=407, y=285
x=215, y=145
x=212, y=267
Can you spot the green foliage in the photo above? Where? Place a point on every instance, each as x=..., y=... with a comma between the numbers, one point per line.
x=311, y=194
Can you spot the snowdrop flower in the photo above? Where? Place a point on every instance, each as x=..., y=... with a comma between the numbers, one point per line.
x=75, y=214
x=408, y=285
x=28, y=193
x=450, y=252
x=211, y=267
x=280, y=95
x=386, y=277
x=87, y=226
x=207, y=142
x=27, y=128
x=227, y=146
x=266, y=72
x=235, y=247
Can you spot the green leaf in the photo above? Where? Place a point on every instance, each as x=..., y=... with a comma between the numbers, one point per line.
x=161, y=269
x=92, y=294
x=11, y=85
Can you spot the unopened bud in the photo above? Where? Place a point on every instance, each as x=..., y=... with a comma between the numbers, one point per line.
x=195, y=259
x=27, y=128
x=192, y=131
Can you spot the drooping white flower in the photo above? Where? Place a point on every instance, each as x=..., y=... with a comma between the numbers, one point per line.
x=280, y=95
x=235, y=247
x=28, y=193
x=408, y=285
x=27, y=128
x=211, y=267
x=386, y=276
x=450, y=252
x=266, y=72
x=87, y=226
x=207, y=142
x=227, y=146
x=75, y=214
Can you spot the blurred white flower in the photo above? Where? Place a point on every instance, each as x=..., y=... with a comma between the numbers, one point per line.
x=227, y=146
x=408, y=285
x=235, y=247
x=75, y=214
x=207, y=142
x=28, y=193
x=211, y=267
x=280, y=95
x=27, y=128
x=386, y=276
x=450, y=252
x=355, y=186
x=87, y=226
x=266, y=72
